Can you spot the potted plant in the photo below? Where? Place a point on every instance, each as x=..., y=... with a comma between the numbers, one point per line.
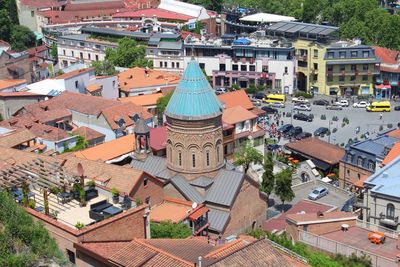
x=79, y=225
x=115, y=195
x=91, y=184
x=82, y=195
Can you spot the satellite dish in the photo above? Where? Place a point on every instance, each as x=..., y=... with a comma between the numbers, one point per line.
x=80, y=169
x=194, y=205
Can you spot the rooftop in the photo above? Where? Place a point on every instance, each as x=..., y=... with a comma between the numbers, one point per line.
x=74, y=73
x=16, y=138
x=312, y=218
x=292, y=27
x=158, y=138
x=376, y=146
x=388, y=56
x=236, y=98
x=266, y=18
x=9, y=83
x=237, y=114
x=19, y=94
x=143, y=100
x=193, y=98
x=394, y=153
x=153, y=12
x=88, y=133
x=175, y=210
x=138, y=78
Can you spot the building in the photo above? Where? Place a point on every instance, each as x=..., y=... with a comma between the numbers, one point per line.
x=364, y=158
x=40, y=58
x=245, y=61
x=15, y=65
x=12, y=85
x=148, y=101
x=92, y=137
x=325, y=65
x=81, y=47
x=388, y=80
x=20, y=139
x=194, y=168
x=141, y=81
x=11, y=102
x=166, y=52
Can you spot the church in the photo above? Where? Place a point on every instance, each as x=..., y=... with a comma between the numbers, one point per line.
x=194, y=168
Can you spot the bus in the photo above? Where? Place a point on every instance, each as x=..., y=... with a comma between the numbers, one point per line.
x=379, y=106
x=275, y=98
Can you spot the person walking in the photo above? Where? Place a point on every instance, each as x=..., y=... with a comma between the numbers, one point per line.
x=380, y=116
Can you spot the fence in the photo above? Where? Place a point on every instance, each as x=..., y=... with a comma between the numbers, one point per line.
x=340, y=248
x=377, y=228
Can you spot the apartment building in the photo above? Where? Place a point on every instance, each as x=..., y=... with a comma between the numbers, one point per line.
x=388, y=81
x=81, y=47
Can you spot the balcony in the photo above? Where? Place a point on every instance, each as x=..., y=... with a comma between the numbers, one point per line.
x=228, y=138
x=237, y=73
x=302, y=58
x=386, y=220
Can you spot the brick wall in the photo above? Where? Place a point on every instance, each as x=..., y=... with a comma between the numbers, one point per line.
x=248, y=210
x=349, y=173
x=153, y=189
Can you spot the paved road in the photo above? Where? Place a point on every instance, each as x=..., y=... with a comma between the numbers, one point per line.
x=358, y=117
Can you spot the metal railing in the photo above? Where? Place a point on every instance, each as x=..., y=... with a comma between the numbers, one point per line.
x=377, y=228
x=335, y=247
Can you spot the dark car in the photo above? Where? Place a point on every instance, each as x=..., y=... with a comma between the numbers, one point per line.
x=294, y=131
x=302, y=117
x=397, y=108
x=321, y=102
x=273, y=147
x=285, y=128
x=303, y=135
x=321, y=131
x=259, y=96
x=269, y=110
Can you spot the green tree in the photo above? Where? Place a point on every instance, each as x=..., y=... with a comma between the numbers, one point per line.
x=54, y=52
x=22, y=38
x=162, y=102
x=168, y=229
x=283, y=186
x=313, y=10
x=390, y=33
x=5, y=25
x=354, y=28
x=24, y=242
x=128, y=54
x=246, y=155
x=268, y=178
x=104, y=68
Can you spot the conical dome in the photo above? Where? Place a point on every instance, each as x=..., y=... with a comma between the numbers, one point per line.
x=193, y=98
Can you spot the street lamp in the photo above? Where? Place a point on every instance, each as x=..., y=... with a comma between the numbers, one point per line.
x=329, y=137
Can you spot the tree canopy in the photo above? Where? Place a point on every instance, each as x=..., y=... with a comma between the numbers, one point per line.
x=246, y=155
x=168, y=229
x=268, y=179
x=162, y=102
x=22, y=38
x=283, y=186
x=104, y=68
x=128, y=54
x=24, y=242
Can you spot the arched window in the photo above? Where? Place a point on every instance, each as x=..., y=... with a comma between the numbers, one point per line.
x=390, y=211
x=218, y=153
x=360, y=161
x=349, y=158
x=170, y=154
x=371, y=165
x=180, y=158
x=194, y=160
x=208, y=158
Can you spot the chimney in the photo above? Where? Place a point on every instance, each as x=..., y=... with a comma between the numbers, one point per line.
x=320, y=214
x=200, y=261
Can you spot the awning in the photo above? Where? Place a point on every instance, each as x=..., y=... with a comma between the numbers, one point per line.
x=198, y=213
x=326, y=180
x=321, y=165
x=383, y=86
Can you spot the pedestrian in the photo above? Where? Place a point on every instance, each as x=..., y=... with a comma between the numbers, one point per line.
x=284, y=114
x=380, y=116
x=281, y=122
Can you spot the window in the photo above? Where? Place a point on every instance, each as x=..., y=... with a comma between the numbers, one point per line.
x=353, y=53
x=173, y=65
x=76, y=84
x=330, y=68
x=360, y=161
x=170, y=154
x=32, y=13
x=97, y=46
x=390, y=211
x=81, y=44
x=330, y=54
x=349, y=158
x=165, y=64
x=222, y=67
x=315, y=53
x=145, y=181
x=352, y=78
x=348, y=172
x=89, y=56
x=365, y=67
x=208, y=158
x=315, y=77
x=286, y=70
x=353, y=67
x=72, y=53
x=365, y=77
x=365, y=53
x=243, y=68
x=177, y=65
x=147, y=200
x=180, y=158
x=202, y=66
x=253, y=68
x=342, y=54
x=329, y=78
x=371, y=165
x=278, y=83
x=64, y=52
x=81, y=55
x=341, y=78
x=235, y=67
x=71, y=256
x=342, y=67
x=194, y=160
x=161, y=64
x=218, y=154
x=97, y=57
x=315, y=66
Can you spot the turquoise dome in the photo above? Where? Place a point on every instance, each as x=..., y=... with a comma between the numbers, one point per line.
x=193, y=98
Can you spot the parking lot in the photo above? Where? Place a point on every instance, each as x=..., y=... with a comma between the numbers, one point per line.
x=358, y=117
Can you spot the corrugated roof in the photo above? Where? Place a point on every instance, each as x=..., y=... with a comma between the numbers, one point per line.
x=186, y=189
x=218, y=219
x=201, y=181
x=153, y=165
x=193, y=98
x=226, y=185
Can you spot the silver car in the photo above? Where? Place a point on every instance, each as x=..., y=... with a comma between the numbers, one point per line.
x=302, y=107
x=278, y=105
x=318, y=193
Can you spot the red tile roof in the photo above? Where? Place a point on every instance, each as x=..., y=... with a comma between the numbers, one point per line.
x=34, y=50
x=158, y=138
x=74, y=73
x=88, y=133
x=157, y=12
x=386, y=55
x=171, y=209
x=7, y=83
x=237, y=114
x=317, y=149
x=20, y=94
x=395, y=133
x=56, y=16
x=71, y=6
x=309, y=218
x=236, y=98
x=393, y=153
x=41, y=3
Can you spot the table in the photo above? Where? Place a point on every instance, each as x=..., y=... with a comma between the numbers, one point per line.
x=111, y=211
x=345, y=227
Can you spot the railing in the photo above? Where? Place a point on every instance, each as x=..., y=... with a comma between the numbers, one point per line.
x=335, y=247
x=287, y=251
x=228, y=138
x=377, y=228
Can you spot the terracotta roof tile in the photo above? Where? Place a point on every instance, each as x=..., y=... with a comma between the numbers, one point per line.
x=104, y=249
x=88, y=133
x=134, y=78
x=16, y=138
x=317, y=149
x=313, y=217
x=395, y=133
x=226, y=249
x=93, y=87
x=170, y=210
x=76, y=6
x=158, y=138
x=7, y=83
x=237, y=114
x=73, y=73
x=149, y=13
x=19, y=94
x=125, y=111
x=386, y=55
x=143, y=100
x=236, y=98
x=109, y=150
x=56, y=16
x=393, y=153
x=42, y=3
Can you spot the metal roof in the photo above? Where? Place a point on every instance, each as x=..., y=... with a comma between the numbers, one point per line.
x=170, y=45
x=193, y=98
x=218, y=219
x=201, y=181
x=141, y=127
x=152, y=165
x=341, y=62
x=108, y=31
x=226, y=185
x=299, y=27
x=186, y=189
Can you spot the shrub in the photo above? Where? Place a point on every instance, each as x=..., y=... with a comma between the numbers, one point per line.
x=114, y=192
x=303, y=94
x=138, y=201
x=334, y=130
x=235, y=87
x=79, y=225
x=168, y=229
x=32, y=203
x=323, y=117
x=91, y=183
x=251, y=90
x=335, y=118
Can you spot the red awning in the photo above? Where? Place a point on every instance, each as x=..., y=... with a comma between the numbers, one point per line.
x=198, y=213
x=383, y=86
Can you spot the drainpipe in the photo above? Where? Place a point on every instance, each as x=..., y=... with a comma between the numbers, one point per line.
x=146, y=219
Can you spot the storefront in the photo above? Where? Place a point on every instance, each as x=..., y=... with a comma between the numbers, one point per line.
x=383, y=91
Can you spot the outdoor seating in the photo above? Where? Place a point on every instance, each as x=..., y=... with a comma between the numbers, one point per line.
x=96, y=209
x=91, y=194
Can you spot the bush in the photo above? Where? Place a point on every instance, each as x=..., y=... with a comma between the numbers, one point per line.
x=138, y=201
x=346, y=120
x=303, y=94
x=323, y=117
x=334, y=130
x=91, y=183
x=335, y=118
x=114, y=192
x=235, y=87
x=168, y=229
x=79, y=225
x=251, y=90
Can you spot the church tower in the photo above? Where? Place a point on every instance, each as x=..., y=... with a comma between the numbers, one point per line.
x=194, y=125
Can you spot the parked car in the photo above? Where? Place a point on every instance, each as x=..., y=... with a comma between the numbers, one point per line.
x=256, y=102
x=343, y=103
x=302, y=117
x=285, y=128
x=303, y=135
x=318, y=193
x=321, y=102
x=302, y=107
x=397, y=108
x=300, y=100
x=259, y=96
x=361, y=104
x=273, y=147
x=334, y=107
x=278, y=105
x=294, y=131
x=321, y=131
x=269, y=110
x=220, y=90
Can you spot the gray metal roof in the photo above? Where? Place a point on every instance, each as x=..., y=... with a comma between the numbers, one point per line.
x=78, y=37
x=170, y=45
x=226, y=185
x=299, y=27
x=186, y=189
x=141, y=127
x=153, y=165
x=108, y=31
x=201, y=181
x=341, y=62
x=218, y=219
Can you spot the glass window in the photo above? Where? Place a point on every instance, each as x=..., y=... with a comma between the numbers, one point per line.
x=352, y=78
x=97, y=57
x=365, y=77
x=360, y=161
x=315, y=66
x=315, y=77
x=161, y=64
x=208, y=158
x=349, y=158
x=194, y=160
x=342, y=54
x=330, y=54
x=365, y=67
x=341, y=78
x=177, y=65
x=173, y=65
x=371, y=165
x=202, y=66
x=353, y=53
x=286, y=70
x=342, y=67
x=180, y=158
x=390, y=212
x=365, y=53
x=252, y=68
x=353, y=67
x=329, y=78
x=243, y=68
x=315, y=53
x=222, y=67
x=235, y=67
x=330, y=68
x=145, y=181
